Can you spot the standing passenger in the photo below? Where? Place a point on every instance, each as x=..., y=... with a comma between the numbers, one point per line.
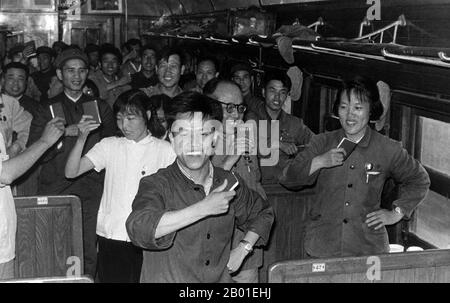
x=293, y=133
x=92, y=52
x=17, y=104
x=346, y=219
x=170, y=68
x=147, y=76
x=14, y=120
x=232, y=158
x=206, y=70
x=241, y=74
x=132, y=62
x=72, y=69
x=43, y=77
x=126, y=160
x=158, y=104
x=11, y=169
x=185, y=215
x=108, y=79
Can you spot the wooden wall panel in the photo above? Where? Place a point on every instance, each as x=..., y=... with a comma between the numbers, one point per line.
x=286, y=239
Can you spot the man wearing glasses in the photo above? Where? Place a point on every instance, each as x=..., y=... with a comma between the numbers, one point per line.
x=72, y=70
x=185, y=214
x=236, y=152
x=293, y=133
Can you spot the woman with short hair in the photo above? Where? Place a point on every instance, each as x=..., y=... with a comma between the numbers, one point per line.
x=346, y=218
x=126, y=160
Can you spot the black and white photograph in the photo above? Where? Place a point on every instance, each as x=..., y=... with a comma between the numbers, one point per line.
x=225, y=150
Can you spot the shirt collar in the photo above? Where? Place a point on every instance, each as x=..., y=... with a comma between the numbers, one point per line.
x=209, y=180
x=280, y=116
x=109, y=81
x=136, y=69
x=366, y=139
x=145, y=140
x=364, y=142
x=178, y=90
x=74, y=100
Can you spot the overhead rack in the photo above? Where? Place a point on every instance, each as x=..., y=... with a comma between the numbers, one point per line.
x=361, y=48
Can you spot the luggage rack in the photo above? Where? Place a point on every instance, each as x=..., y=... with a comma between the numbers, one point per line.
x=357, y=48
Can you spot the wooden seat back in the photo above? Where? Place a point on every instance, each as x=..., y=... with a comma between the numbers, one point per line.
x=49, y=239
x=429, y=266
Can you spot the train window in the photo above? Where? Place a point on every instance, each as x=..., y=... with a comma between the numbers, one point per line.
x=431, y=217
x=435, y=145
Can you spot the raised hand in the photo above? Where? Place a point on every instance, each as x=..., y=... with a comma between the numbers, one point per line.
x=333, y=157
x=53, y=131
x=218, y=201
x=86, y=125
x=288, y=148
x=124, y=80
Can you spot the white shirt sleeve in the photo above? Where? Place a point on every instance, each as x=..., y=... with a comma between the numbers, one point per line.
x=99, y=154
x=169, y=153
x=1, y=167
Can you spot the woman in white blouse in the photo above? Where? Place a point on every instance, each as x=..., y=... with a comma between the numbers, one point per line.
x=126, y=160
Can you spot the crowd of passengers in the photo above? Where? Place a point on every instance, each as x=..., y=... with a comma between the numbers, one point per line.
x=156, y=173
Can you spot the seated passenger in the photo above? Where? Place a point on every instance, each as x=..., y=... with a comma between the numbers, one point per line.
x=126, y=160
x=293, y=133
x=346, y=218
x=184, y=215
x=147, y=76
x=170, y=68
x=108, y=79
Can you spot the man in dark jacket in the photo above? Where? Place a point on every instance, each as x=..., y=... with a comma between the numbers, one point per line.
x=185, y=214
x=72, y=70
x=43, y=77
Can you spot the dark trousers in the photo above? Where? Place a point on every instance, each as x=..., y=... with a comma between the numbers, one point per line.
x=118, y=261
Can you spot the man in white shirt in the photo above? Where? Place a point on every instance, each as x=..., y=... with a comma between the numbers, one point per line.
x=13, y=117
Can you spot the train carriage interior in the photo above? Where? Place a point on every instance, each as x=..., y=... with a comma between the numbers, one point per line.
x=403, y=45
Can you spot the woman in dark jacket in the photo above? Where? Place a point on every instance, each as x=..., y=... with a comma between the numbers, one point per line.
x=346, y=218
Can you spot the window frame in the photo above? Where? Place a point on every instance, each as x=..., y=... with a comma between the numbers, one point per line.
x=439, y=181
x=407, y=128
